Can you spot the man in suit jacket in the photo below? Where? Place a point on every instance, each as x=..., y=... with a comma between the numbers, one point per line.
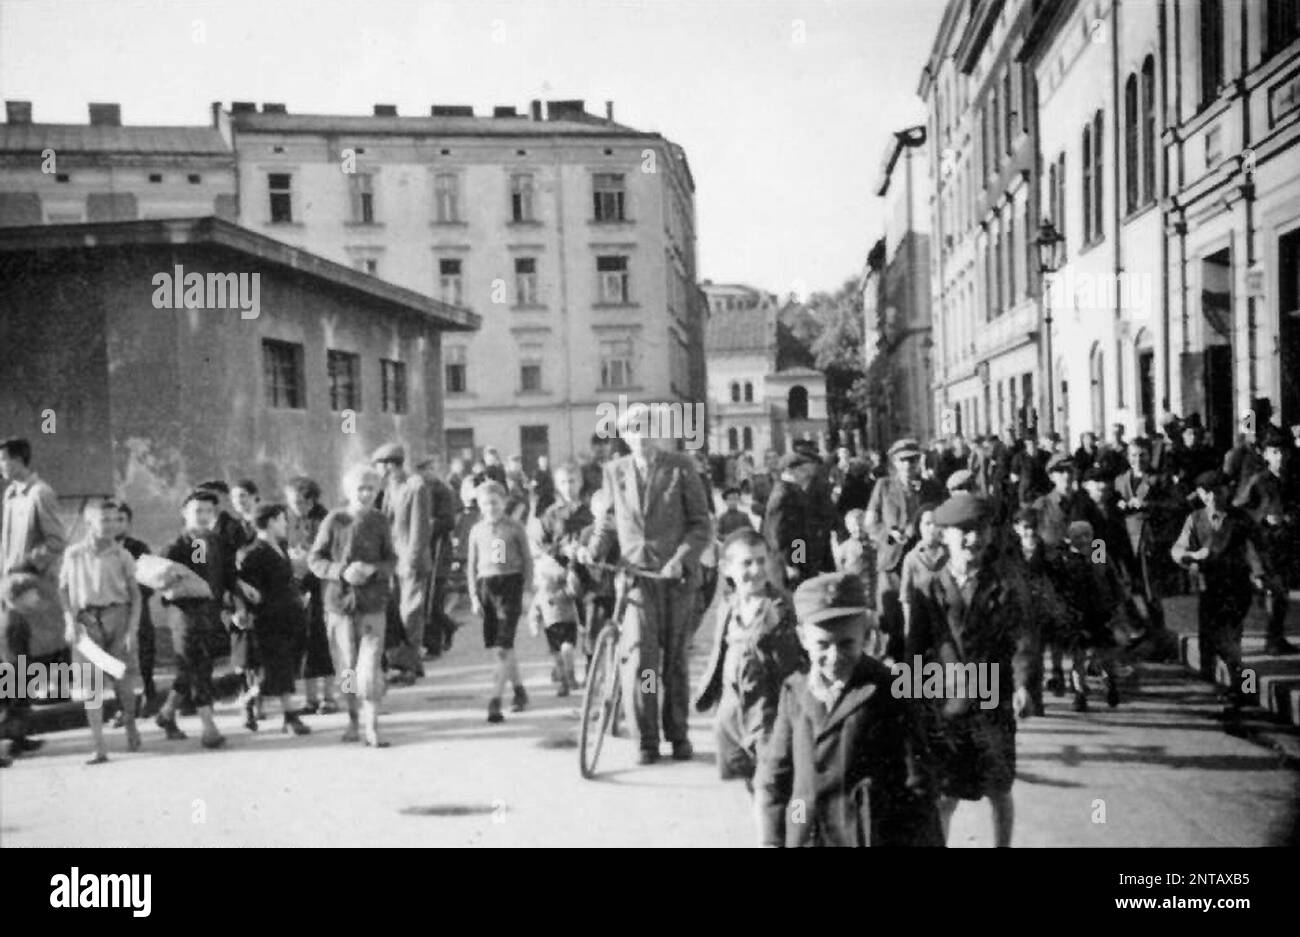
x=658, y=516
x=406, y=505
x=847, y=763
x=892, y=514
x=785, y=522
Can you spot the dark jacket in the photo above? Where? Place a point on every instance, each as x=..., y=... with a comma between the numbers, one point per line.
x=344, y=538
x=785, y=525
x=856, y=775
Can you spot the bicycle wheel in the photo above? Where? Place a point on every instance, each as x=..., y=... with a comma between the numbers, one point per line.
x=599, y=700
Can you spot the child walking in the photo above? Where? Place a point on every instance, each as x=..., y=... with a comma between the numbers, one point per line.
x=101, y=601
x=497, y=565
x=555, y=612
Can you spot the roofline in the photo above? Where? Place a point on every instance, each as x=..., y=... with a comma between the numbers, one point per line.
x=941, y=39
x=216, y=231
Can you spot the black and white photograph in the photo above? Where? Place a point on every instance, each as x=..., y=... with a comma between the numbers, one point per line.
x=651, y=424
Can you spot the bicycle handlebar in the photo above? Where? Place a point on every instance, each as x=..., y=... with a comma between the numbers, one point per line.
x=636, y=571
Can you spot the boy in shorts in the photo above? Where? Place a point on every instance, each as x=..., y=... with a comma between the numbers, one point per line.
x=101, y=601
x=555, y=612
x=497, y=565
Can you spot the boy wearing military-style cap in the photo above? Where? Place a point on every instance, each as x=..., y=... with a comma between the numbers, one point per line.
x=1271, y=498
x=847, y=763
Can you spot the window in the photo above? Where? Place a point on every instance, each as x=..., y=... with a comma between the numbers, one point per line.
x=1011, y=255
x=997, y=270
x=1031, y=251
x=613, y=279
x=455, y=368
x=449, y=281
x=1059, y=219
x=155, y=177
x=194, y=178
x=362, y=186
x=446, y=197
x=62, y=177
x=749, y=392
x=1149, y=129
x=747, y=439
x=1086, y=184
x=1026, y=97
x=368, y=265
x=733, y=439
x=735, y=392
x=282, y=374
x=609, y=195
x=521, y=197
x=280, y=184
x=1008, y=109
x=1211, y=49
x=393, y=385
x=796, y=403
x=1131, y=159
x=1098, y=177
x=616, y=363
x=1282, y=25
x=530, y=367
x=526, y=281
x=460, y=443
x=345, y=380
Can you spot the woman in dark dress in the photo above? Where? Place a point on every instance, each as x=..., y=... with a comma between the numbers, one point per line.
x=317, y=668
x=278, y=620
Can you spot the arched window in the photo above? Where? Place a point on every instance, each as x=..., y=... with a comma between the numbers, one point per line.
x=735, y=392
x=1149, y=130
x=749, y=392
x=797, y=403
x=1131, y=161
x=1097, y=377
x=747, y=439
x=733, y=439
x=1087, y=185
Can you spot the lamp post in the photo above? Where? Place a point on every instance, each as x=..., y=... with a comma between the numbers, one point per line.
x=1049, y=261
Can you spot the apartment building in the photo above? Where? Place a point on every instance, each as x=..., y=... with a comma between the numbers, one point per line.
x=571, y=235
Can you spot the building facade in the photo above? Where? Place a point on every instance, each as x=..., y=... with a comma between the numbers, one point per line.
x=571, y=235
x=762, y=395
x=125, y=392
x=897, y=345
x=984, y=209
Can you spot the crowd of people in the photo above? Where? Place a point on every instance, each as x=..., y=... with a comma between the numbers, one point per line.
x=831, y=575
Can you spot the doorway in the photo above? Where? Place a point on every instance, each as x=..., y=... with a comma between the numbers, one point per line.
x=1288, y=294
x=1216, y=331
x=1146, y=383
x=534, y=441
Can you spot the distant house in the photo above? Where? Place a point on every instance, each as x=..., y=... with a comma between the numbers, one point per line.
x=763, y=391
x=122, y=397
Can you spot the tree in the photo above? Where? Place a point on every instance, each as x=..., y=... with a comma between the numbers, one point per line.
x=830, y=327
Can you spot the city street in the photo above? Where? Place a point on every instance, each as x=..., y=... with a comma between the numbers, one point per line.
x=1159, y=771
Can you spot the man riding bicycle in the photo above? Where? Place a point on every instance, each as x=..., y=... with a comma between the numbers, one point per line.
x=658, y=517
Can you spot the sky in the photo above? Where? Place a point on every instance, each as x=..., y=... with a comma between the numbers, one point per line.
x=784, y=107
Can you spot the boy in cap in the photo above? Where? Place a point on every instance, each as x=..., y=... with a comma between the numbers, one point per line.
x=733, y=518
x=755, y=648
x=976, y=613
x=1270, y=498
x=847, y=763
x=1222, y=543
x=1094, y=593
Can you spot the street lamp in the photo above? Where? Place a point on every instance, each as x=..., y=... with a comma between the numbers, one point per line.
x=1050, y=247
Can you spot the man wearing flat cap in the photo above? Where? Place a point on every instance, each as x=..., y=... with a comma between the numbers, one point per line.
x=1271, y=500
x=823, y=518
x=406, y=505
x=848, y=761
x=1222, y=543
x=892, y=515
x=786, y=526
x=658, y=516
x=976, y=612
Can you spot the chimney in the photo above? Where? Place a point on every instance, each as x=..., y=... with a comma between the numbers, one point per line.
x=105, y=115
x=572, y=109
x=451, y=110
x=243, y=107
x=18, y=112
x=609, y=110
x=535, y=109
x=385, y=110
x=502, y=110
x=268, y=108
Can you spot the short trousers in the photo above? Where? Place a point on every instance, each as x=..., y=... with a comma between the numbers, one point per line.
x=502, y=598
x=107, y=627
x=978, y=753
x=561, y=633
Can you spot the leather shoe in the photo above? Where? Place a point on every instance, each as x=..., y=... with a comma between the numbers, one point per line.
x=682, y=751
x=648, y=756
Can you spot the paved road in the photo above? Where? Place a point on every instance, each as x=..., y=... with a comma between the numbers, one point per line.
x=1159, y=771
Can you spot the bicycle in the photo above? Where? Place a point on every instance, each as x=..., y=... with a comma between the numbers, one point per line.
x=602, y=698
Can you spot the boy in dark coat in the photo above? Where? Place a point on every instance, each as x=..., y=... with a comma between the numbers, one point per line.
x=847, y=762
x=755, y=648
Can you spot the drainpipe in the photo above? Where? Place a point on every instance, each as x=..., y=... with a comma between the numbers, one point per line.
x=560, y=232
x=1116, y=155
x=1248, y=191
x=1163, y=38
